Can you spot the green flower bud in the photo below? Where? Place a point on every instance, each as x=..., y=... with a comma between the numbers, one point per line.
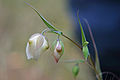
x=36, y=45
x=75, y=70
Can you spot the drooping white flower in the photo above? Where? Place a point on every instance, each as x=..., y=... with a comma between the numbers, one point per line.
x=36, y=45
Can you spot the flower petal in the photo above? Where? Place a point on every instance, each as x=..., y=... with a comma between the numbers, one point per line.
x=29, y=56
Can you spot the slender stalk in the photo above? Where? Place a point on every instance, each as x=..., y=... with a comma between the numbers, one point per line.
x=93, y=67
x=97, y=63
x=73, y=61
x=45, y=30
x=79, y=46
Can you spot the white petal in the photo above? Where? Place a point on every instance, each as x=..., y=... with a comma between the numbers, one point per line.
x=45, y=44
x=56, y=54
x=34, y=36
x=29, y=55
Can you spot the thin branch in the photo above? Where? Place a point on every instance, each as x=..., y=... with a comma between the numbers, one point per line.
x=45, y=30
x=79, y=46
x=72, y=61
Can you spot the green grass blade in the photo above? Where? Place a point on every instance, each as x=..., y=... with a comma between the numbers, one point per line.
x=48, y=24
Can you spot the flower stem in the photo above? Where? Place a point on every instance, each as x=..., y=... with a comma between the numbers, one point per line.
x=79, y=46
x=44, y=31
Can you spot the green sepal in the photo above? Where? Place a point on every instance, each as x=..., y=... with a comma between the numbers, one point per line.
x=85, y=43
x=53, y=45
x=85, y=52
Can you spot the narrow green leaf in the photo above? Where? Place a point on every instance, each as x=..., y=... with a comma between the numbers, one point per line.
x=84, y=42
x=48, y=24
x=82, y=33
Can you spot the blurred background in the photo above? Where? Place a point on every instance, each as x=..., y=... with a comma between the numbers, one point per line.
x=18, y=22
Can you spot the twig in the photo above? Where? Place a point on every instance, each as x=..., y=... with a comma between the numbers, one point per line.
x=72, y=41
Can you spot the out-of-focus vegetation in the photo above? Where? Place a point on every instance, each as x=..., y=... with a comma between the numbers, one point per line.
x=17, y=23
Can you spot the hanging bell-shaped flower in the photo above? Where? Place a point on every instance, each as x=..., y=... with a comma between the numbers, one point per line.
x=36, y=45
x=58, y=50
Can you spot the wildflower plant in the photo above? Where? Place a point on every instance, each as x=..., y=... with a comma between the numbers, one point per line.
x=38, y=44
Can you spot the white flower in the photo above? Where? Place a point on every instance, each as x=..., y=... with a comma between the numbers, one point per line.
x=36, y=45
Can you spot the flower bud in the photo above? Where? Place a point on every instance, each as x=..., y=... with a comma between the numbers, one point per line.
x=36, y=45
x=75, y=70
x=58, y=50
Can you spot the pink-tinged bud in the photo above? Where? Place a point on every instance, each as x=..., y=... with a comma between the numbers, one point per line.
x=58, y=50
x=58, y=47
x=36, y=45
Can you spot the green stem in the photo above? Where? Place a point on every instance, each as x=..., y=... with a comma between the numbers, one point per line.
x=73, y=61
x=79, y=46
x=93, y=67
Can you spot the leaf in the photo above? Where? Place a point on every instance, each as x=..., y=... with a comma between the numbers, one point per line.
x=84, y=42
x=48, y=24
